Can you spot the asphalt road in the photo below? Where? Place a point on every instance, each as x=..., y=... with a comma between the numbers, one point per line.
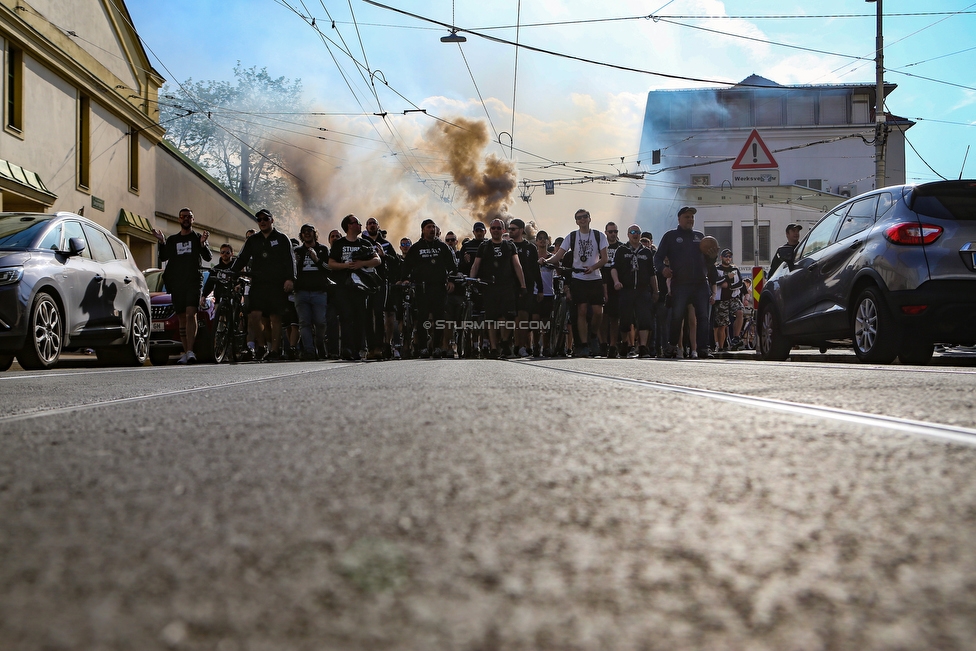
x=562, y=504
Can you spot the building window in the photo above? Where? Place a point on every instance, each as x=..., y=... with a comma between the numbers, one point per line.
x=721, y=232
x=14, y=105
x=133, y=159
x=84, y=142
x=769, y=110
x=861, y=109
x=801, y=109
x=748, y=252
x=833, y=108
x=813, y=184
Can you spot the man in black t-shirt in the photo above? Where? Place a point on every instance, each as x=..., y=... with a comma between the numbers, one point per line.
x=469, y=251
x=272, y=261
x=382, y=305
x=182, y=253
x=312, y=284
x=497, y=263
x=353, y=258
x=611, y=325
x=428, y=264
x=785, y=253
x=634, y=277
x=528, y=256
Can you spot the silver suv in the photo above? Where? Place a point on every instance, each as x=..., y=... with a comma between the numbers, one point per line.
x=891, y=272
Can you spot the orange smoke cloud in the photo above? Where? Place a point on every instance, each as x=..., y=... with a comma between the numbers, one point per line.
x=487, y=182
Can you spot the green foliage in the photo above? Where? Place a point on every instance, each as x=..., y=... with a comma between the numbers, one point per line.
x=233, y=130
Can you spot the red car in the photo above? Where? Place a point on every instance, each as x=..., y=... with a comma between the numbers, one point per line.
x=164, y=341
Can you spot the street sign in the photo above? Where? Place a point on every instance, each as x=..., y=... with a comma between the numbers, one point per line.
x=755, y=155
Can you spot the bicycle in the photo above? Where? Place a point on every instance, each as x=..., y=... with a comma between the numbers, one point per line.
x=559, y=319
x=466, y=343
x=230, y=334
x=409, y=291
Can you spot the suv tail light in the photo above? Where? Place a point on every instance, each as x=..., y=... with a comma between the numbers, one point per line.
x=913, y=233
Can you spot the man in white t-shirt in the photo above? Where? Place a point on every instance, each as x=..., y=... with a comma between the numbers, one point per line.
x=586, y=289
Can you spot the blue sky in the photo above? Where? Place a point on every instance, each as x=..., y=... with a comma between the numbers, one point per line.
x=565, y=110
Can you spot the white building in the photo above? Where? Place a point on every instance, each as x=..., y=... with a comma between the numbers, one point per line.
x=815, y=148
x=80, y=129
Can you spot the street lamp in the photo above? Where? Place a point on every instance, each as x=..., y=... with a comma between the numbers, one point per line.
x=453, y=37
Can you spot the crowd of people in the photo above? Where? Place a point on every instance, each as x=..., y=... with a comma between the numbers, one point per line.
x=357, y=296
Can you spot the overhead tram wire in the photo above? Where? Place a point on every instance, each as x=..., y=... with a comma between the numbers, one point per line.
x=563, y=55
x=518, y=18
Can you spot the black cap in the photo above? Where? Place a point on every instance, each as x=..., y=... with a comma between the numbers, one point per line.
x=307, y=227
x=685, y=209
x=518, y=223
x=479, y=226
x=791, y=227
x=424, y=223
x=726, y=252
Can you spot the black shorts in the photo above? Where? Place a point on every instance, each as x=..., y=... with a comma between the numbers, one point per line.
x=525, y=302
x=543, y=308
x=430, y=302
x=612, y=307
x=587, y=291
x=636, y=308
x=185, y=296
x=455, y=303
x=499, y=302
x=290, y=315
x=268, y=299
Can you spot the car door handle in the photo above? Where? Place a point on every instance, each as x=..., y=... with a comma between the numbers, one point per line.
x=855, y=244
x=813, y=267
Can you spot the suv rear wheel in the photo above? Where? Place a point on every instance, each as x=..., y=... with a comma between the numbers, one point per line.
x=873, y=331
x=772, y=345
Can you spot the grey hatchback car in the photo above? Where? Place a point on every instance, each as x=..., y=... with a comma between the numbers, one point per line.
x=66, y=282
x=891, y=272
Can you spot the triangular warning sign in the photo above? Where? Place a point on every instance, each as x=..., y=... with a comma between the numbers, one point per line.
x=754, y=155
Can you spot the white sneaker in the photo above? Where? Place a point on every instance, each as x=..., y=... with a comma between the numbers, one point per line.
x=694, y=354
x=191, y=358
x=182, y=359
x=523, y=352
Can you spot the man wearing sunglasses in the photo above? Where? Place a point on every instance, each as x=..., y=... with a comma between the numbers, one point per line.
x=272, y=260
x=498, y=264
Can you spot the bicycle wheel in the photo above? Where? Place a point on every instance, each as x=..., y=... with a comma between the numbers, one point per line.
x=238, y=334
x=558, y=324
x=222, y=334
x=464, y=333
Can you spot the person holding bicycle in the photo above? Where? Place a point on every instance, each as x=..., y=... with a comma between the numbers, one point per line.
x=226, y=262
x=351, y=256
x=497, y=263
x=587, y=288
x=635, y=280
x=428, y=264
x=312, y=284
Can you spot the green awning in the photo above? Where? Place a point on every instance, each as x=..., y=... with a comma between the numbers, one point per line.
x=135, y=225
x=25, y=183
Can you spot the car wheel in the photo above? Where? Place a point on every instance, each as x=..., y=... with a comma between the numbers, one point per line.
x=772, y=346
x=873, y=331
x=158, y=357
x=45, y=334
x=917, y=352
x=137, y=350
x=5, y=362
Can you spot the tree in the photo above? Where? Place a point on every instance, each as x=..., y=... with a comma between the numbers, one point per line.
x=229, y=129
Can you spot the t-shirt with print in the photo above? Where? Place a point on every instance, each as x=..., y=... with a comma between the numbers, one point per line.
x=586, y=252
x=496, y=262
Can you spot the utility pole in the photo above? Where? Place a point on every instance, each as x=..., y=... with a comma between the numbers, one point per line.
x=880, y=133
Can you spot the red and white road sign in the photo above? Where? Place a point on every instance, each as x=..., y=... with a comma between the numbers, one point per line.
x=754, y=155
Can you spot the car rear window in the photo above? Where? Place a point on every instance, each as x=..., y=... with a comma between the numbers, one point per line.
x=957, y=202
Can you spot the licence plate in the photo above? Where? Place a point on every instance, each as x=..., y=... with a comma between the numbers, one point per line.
x=158, y=326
